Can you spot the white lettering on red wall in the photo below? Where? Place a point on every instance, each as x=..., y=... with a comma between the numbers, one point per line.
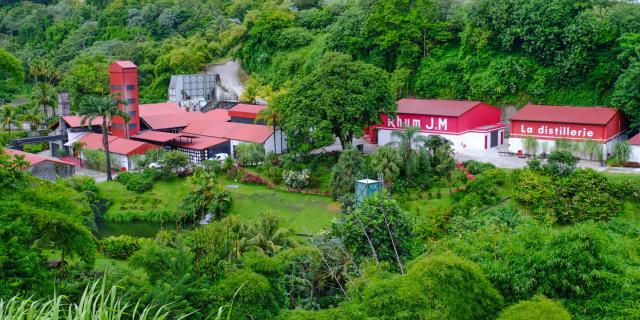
x=560, y=130
x=425, y=123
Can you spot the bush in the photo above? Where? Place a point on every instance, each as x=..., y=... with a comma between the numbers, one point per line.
x=477, y=167
x=137, y=182
x=121, y=247
x=249, y=154
x=345, y=173
x=537, y=308
x=296, y=179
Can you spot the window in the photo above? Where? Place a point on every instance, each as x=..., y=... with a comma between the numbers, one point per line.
x=113, y=87
x=131, y=100
x=131, y=87
x=119, y=88
x=133, y=126
x=132, y=113
x=117, y=126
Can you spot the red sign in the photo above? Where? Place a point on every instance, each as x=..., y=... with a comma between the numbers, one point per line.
x=428, y=123
x=556, y=130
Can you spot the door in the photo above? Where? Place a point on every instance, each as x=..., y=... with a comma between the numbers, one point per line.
x=494, y=138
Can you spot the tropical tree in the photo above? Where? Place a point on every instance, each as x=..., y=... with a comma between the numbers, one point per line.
x=10, y=118
x=344, y=174
x=337, y=99
x=269, y=117
x=387, y=161
x=32, y=116
x=104, y=108
x=45, y=96
x=405, y=140
x=269, y=236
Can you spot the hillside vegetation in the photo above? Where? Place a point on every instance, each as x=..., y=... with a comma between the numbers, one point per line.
x=575, y=52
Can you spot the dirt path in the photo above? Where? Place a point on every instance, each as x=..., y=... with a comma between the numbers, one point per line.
x=229, y=75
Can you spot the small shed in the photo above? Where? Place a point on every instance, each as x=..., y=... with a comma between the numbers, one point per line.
x=365, y=189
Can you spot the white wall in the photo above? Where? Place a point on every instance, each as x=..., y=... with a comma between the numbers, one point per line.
x=635, y=154
x=466, y=141
x=280, y=146
x=516, y=144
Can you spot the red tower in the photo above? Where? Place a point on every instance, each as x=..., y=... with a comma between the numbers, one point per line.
x=123, y=78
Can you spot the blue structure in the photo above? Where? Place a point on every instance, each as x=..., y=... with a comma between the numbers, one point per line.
x=365, y=189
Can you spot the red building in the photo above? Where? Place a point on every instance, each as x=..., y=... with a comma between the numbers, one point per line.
x=552, y=123
x=467, y=124
x=123, y=79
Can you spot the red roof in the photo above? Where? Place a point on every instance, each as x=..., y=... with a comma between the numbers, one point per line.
x=242, y=110
x=76, y=121
x=199, y=142
x=153, y=109
x=125, y=64
x=127, y=147
x=565, y=114
x=233, y=131
x=177, y=120
x=635, y=140
x=156, y=136
x=447, y=108
x=34, y=159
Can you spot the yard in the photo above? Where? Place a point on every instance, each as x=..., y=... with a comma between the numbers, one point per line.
x=303, y=213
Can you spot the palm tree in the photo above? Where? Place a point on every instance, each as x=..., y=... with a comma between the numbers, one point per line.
x=45, y=96
x=386, y=161
x=269, y=236
x=270, y=118
x=405, y=141
x=33, y=117
x=106, y=107
x=77, y=147
x=10, y=118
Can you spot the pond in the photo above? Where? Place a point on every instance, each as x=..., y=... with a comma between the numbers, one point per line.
x=145, y=229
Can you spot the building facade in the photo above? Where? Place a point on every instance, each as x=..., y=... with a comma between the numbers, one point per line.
x=467, y=124
x=123, y=80
x=546, y=125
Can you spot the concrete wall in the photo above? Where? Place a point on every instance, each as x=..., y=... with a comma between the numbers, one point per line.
x=50, y=170
x=466, y=141
x=635, y=154
x=546, y=146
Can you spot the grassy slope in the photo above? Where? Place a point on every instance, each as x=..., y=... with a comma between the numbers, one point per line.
x=303, y=213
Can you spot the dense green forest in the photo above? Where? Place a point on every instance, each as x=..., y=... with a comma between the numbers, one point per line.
x=549, y=241
x=578, y=52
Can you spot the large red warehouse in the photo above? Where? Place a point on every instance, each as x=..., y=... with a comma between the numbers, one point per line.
x=467, y=124
x=578, y=124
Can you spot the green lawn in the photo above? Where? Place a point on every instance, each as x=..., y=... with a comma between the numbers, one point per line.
x=153, y=205
x=303, y=213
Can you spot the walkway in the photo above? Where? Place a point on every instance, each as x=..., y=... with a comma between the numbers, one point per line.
x=508, y=161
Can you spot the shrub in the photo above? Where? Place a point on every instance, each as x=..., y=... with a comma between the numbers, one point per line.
x=477, y=167
x=249, y=154
x=621, y=151
x=121, y=247
x=536, y=308
x=137, y=182
x=346, y=172
x=249, y=177
x=296, y=179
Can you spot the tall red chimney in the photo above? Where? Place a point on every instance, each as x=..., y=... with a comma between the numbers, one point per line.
x=123, y=78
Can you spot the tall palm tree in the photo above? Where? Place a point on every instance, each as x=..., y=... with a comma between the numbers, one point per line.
x=270, y=118
x=405, y=140
x=33, y=117
x=269, y=236
x=45, y=96
x=386, y=161
x=10, y=118
x=94, y=107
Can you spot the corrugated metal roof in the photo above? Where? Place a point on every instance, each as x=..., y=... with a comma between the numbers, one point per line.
x=242, y=108
x=127, y=147
x=177, y=120
x=201, y=143
x=153, y=109
x=156, y=136
x=447, y=108
x=565, y=114
x=76, y=121
x=635, y=140
x=232, y=131
x=34, y=159
x=125, y=64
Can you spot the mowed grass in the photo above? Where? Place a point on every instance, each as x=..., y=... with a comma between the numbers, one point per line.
x=152, y=205
x=300, y=212
x=303, y=213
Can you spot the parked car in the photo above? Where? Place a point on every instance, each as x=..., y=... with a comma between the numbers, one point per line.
x=220, y=157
